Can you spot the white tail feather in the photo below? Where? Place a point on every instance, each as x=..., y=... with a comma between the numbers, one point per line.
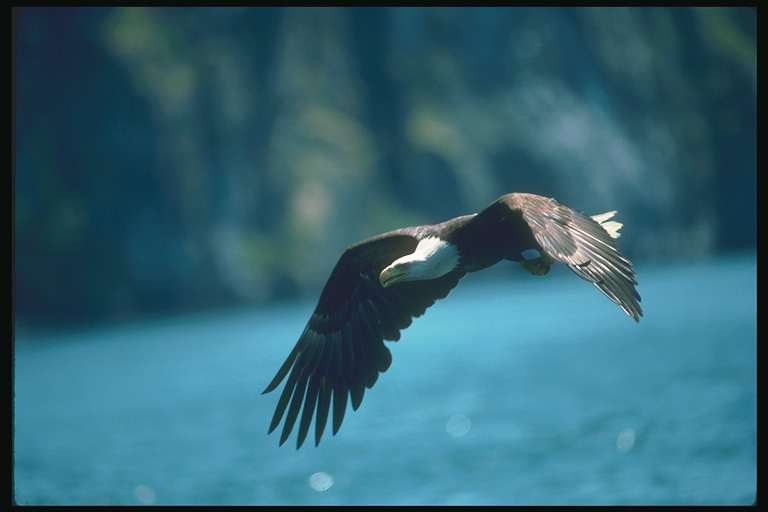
x=612, y=227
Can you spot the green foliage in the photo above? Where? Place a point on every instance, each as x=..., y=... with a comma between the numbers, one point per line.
x=176, y=158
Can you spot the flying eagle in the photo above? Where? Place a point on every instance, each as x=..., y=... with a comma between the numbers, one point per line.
x=380, y=284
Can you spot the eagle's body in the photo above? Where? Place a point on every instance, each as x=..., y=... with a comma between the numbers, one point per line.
x=380, y=284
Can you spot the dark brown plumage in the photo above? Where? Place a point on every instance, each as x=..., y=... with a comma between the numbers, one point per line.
x=380, y=284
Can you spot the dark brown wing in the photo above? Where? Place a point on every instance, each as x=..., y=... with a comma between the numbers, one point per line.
x=341, y=351
x=579, y=241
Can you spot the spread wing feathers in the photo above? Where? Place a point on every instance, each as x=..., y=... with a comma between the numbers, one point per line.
x=585, y=244
x=341, y=351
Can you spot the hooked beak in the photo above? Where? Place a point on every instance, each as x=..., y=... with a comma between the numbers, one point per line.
x=392, y=274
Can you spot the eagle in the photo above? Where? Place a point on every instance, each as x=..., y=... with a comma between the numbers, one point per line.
x=380, y=284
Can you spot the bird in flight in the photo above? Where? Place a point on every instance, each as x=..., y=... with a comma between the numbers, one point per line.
x=380, y=284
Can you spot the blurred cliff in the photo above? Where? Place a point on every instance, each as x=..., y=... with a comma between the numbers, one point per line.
x=172, y=159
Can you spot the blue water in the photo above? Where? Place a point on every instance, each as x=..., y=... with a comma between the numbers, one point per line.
x=518, y=390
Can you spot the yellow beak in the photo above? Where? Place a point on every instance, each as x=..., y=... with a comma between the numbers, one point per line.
x=392, y=274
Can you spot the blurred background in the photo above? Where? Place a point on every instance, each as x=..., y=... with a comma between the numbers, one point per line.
x=184, y=180
x=169, y=160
